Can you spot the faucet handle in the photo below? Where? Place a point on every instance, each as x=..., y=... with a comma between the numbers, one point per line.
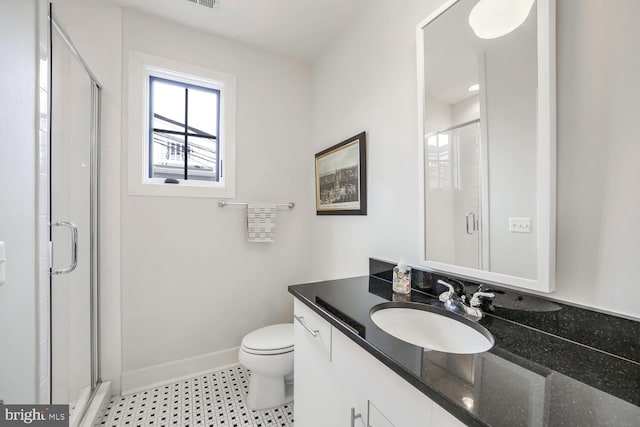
x=448, y=294
x=485, y=288
x=454, y=288
x=476, y=301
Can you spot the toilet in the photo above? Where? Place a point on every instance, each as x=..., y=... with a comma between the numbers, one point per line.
x=268, y=353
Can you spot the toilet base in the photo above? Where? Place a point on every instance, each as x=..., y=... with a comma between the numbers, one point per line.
x=267, y=391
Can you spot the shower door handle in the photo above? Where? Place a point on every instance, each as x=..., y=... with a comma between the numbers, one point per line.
x=474, y=228
x=74, y=247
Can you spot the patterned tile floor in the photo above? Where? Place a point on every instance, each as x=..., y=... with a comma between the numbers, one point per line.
x=216, y=399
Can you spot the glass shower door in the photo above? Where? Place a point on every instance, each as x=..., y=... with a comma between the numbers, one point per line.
x=74, y=118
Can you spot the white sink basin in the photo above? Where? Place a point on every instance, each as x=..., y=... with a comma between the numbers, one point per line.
x=432, y=328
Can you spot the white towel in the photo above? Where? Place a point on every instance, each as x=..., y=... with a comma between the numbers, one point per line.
x=261, y=222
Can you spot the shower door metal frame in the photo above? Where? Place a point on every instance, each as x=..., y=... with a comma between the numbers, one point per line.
x=94, y=200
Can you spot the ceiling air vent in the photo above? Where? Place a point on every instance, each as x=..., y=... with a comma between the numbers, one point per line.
x=208, y=3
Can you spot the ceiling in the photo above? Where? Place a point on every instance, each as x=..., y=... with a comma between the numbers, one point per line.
x=299, y=28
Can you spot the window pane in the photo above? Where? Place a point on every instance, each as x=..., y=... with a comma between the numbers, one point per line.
x=203, y=111
x=168, y=156
x=169, y=128
x=168, y=102
x=203, y=159
x=161, y=123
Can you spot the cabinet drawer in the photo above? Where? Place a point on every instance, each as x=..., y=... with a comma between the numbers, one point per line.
x=313, y=329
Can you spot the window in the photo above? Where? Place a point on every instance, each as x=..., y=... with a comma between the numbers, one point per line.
x=183, y=131
x=181, y=138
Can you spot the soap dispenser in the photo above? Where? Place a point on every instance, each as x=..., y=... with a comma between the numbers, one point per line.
x=402, y=278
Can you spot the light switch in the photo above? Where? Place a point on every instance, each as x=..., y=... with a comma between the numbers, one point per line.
x=3, y=264
x=520, y=225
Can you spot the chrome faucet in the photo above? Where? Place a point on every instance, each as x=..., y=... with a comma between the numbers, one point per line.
x=456, y=304
x=450, y=298
x=475, y=305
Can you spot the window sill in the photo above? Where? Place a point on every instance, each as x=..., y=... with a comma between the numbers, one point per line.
x=183, y=189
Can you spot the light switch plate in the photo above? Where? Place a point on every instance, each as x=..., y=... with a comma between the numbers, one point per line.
x=519, y=225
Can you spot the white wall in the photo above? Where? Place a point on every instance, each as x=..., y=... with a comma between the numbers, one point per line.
x=18, y=220
x=192, y=285
x=598, y=152
x=366, y=81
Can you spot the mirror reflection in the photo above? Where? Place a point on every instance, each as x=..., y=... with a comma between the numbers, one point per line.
x=480, y=141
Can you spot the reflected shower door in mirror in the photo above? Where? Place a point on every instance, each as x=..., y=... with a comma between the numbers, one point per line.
x=454, y=211
x=487, y=136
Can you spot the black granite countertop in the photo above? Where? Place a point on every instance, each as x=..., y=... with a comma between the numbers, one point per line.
x=537, y=374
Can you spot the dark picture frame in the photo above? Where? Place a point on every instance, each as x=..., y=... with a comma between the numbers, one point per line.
x=341, y=178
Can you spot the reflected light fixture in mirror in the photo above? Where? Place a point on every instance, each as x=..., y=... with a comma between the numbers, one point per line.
x=491, y=19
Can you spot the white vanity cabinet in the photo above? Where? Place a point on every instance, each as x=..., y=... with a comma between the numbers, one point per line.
x=313, y=377
x=339, y=384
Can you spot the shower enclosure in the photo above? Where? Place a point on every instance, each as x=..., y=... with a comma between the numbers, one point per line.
x=74, y=150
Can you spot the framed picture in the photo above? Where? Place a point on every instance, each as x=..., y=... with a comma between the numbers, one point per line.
x=341, y=178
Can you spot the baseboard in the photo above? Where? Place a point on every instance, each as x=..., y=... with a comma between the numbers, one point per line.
x=154, y=376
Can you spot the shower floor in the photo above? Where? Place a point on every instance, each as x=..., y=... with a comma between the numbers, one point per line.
x=214, y=399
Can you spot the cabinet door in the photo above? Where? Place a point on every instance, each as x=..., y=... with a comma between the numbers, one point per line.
x=376, y=419
x=350, y=405
x=401, y=404
x=313, y=380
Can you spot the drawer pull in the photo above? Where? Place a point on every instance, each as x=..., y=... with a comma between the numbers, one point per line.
x=300, y=320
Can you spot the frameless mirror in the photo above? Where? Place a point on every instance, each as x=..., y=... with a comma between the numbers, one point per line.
x=487, y=142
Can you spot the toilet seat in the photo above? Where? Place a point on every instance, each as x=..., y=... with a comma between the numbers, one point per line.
x=270, y=340
x=267, y=352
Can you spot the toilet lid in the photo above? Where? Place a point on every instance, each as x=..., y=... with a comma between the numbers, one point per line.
x=274, y=339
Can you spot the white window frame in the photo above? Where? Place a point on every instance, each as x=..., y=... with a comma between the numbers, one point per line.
x=141, y=67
